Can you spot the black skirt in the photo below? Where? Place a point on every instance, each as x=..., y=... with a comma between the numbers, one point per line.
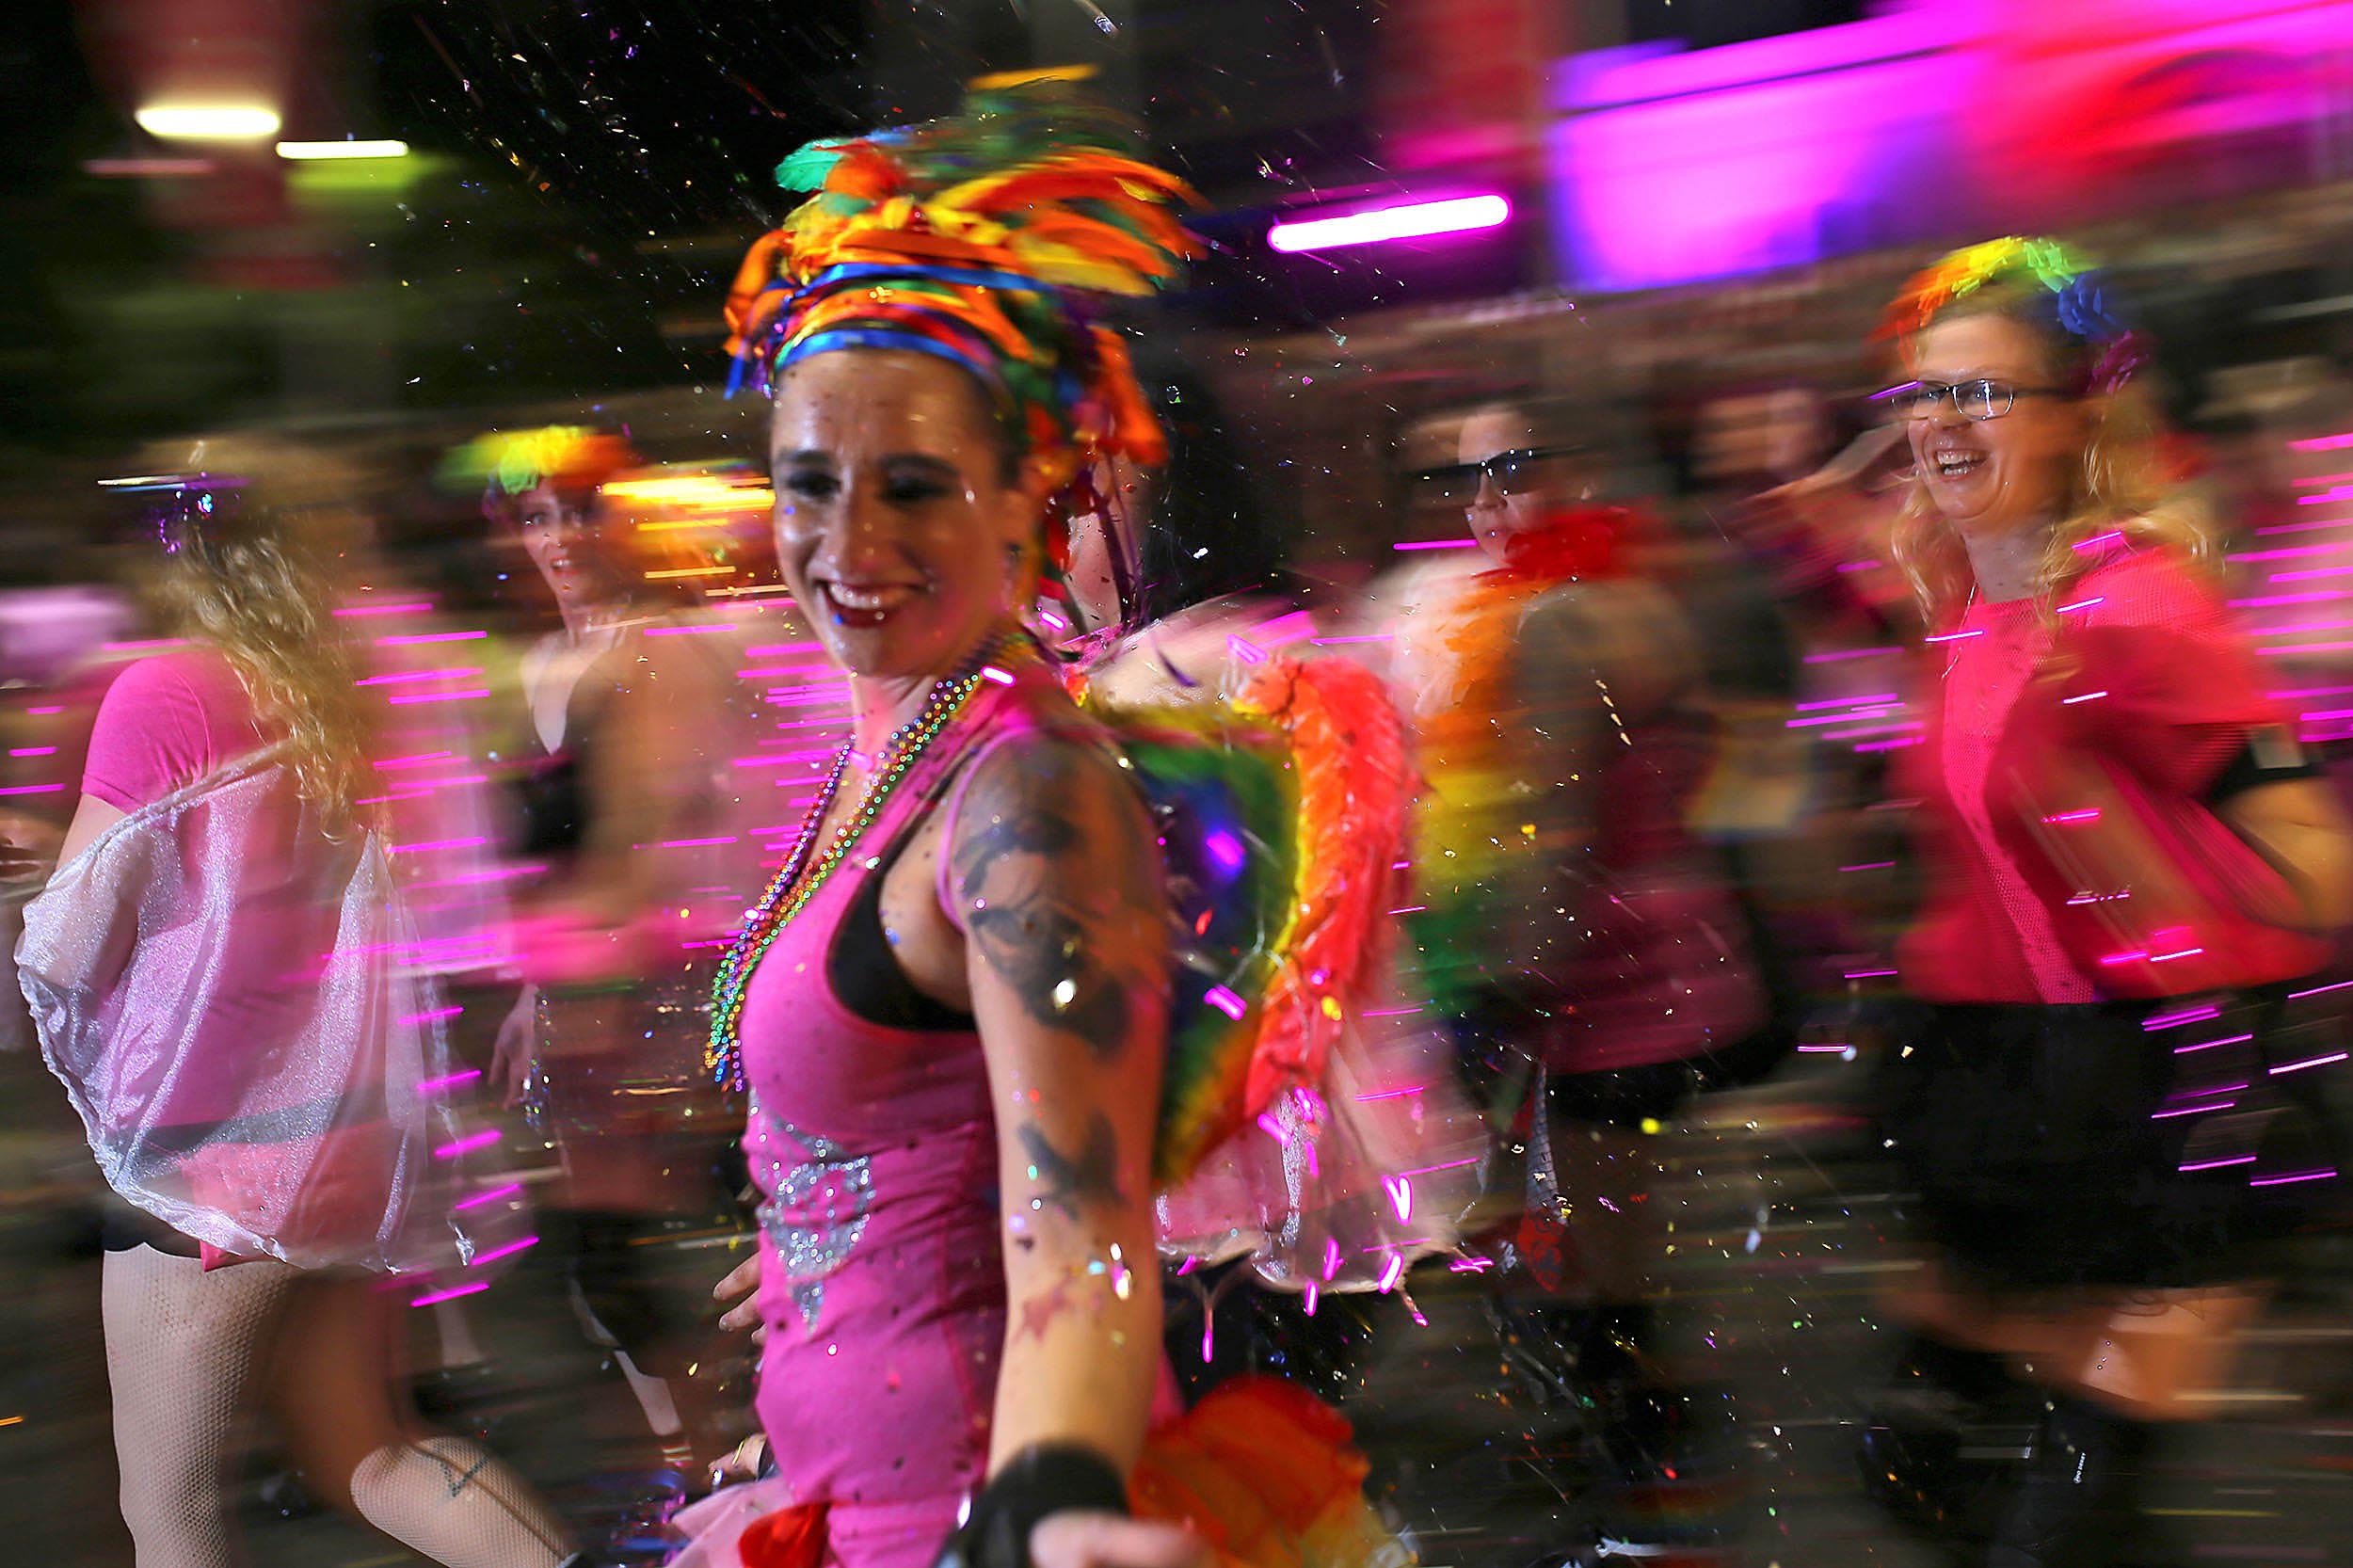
x=2124, y=1144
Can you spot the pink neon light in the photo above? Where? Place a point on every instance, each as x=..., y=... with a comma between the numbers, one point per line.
x=33, y=790
x=451, y=1294
x=415, y=637
x=2324, y=444
x=405, y=677
x=439, y=843
x=512, y=1190
x=687, y=631
x=2313, y=1062
x=33, y=751
x=428, y=1017
x=449, y=1080
x=1414, y=220
x=2299, y=1175
x=384, y=609
x=507, y=1251
x=482, y=1140
x=417, y=698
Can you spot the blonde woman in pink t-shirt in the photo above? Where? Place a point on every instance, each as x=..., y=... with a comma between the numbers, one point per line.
x=2129, y=866
x=213, y=974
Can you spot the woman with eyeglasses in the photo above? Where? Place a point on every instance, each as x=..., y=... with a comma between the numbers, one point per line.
x=2130, y=863
x=1580, y=937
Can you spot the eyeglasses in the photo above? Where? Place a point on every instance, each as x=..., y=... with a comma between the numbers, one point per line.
x=1512, y=473
x=1971, y=399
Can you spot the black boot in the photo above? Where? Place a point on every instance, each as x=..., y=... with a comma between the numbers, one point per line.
x=2074, y=1505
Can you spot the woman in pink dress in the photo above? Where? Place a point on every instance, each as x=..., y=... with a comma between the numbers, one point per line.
x=2130, y=865
x=950, y=1008
x=212, y=971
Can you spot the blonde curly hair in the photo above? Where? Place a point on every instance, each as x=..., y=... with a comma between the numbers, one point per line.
x=249, y=581
x=2117, y=485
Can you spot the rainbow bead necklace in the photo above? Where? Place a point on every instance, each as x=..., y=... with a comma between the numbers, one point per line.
x=804, y=871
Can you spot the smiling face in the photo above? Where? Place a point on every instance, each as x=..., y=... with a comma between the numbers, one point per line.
x=897, y=529
x=1989, y=476
x=562, y=535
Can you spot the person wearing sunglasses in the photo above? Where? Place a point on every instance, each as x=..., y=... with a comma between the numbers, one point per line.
x=1577, y=934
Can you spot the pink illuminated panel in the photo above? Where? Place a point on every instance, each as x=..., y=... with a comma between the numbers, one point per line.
x=1411, y=220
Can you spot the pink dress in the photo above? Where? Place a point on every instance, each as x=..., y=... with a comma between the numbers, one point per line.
x=882, y=1281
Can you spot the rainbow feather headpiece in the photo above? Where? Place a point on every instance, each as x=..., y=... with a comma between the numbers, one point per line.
x=978, y=239
x=568, y=456
x=2082, y=301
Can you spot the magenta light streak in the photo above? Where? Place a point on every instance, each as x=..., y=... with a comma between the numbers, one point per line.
x=33, y=790
x=2188, y=1016
x=1391, y=1274
x=2297, y=628
x=1952, y=636
x=408, y=676
x=2299, y=1175
x=2319, y=990
x=1837, y=718
x=1388, y=1094
x=352, y=610
x=1226, y=1002
x=429, y=1018
x=448, y=1081
x=2312, y=575
x=2292, y=649
x=764, y=650
x=482, y=1140
x=452, y=1293
x=2290, y=553
x=423, y=758
x=1871, y=866
x=507, y=1251
x=2310, y=1062
x=2323, y=444
x=1888, y=745
x=1869, y=974
x=2085, y=697
x=2089, y=814
x=2217, y=1164
x=38, y=712
x=1850, y=653
x=1391, y=1012
x=1413, y=220
x=694, y=843
x=34, y=751
x=2082, y=604
x=2209, y=1044
x=512, y=1190
x=688, y=630
x=414, y=638
x=2313, y=527
x=412, y=700
x=1873, y=700
x=1436, y=544
x=2191, y=1111
x=1335, y=642
x=440, y=843
x=2311, y=596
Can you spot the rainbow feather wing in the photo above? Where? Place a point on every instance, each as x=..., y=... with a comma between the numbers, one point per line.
x=1224, y=809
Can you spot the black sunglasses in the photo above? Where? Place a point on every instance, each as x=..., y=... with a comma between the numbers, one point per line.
x=1510, y=472
x=1978, y=400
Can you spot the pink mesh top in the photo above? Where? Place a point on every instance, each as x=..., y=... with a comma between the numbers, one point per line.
x=2155, y=674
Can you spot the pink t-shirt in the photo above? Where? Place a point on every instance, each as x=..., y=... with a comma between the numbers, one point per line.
x=166, y=722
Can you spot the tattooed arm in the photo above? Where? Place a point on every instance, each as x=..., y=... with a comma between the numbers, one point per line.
x=1055, y=881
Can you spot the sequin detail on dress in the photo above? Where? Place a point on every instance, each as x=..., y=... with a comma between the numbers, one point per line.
x=810, y=1250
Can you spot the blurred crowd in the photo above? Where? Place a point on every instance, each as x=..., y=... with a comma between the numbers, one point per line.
x=1705, y=929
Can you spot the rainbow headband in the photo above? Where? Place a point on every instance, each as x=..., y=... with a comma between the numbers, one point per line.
x=976, y=240
x=2083, y=306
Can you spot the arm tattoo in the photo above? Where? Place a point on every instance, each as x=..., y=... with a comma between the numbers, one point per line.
x=1069, y=1180
x=1043, y=945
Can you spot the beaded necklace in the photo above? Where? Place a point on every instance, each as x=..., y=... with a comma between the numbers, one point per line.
x=805, y=869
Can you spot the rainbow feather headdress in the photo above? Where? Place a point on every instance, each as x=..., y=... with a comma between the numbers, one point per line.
x=569, y=456
x=2082, y=302
x=978, y=239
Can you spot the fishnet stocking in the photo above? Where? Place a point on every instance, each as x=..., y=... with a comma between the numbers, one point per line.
x=181, y=1350
x=451, y=1501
